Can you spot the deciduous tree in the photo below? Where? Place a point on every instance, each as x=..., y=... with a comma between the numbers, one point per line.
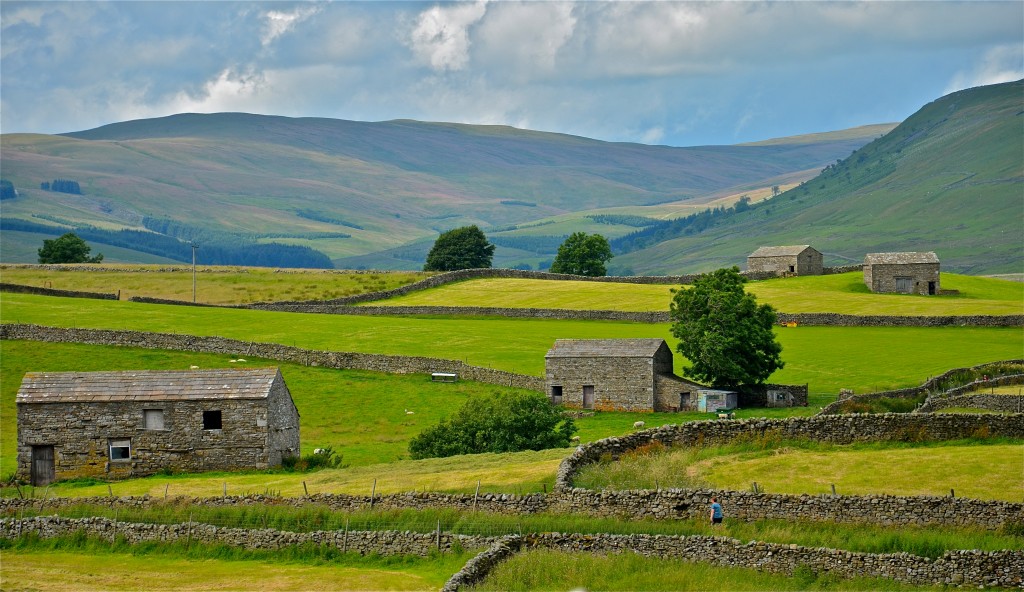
x=583, y=254
x=461, y=248
x=724, y=332
x=67, y=249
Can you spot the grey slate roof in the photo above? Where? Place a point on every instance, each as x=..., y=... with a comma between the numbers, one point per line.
x=786, y=251
x=899, y=258
x=146, y=385
x=604, y=348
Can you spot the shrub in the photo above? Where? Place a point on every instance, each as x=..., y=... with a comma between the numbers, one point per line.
x=496, y=423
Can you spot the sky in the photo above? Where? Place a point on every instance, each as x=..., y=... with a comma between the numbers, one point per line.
x=673, y=73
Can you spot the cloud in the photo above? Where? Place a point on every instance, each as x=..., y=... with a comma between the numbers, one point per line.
x=440, y=37
x=278, y=22
x=999, y=64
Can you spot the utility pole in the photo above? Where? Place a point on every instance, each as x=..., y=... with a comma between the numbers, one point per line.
x=194, y=247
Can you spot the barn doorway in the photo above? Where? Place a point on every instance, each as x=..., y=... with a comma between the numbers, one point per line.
x=588, y=396
x=931, y=288
x=42, y=465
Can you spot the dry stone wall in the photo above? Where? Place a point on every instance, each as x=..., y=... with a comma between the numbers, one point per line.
x=1001, y=403
x=22, y=289
x=271, y=351
x=975, y=568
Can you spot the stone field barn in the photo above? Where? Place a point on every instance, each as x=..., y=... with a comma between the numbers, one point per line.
x=135, y=423
x=616, y=375
x=903, y=273
x=788, y=260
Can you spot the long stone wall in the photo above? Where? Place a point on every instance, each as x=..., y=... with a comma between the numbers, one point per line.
x=975, y=568
x=1001, y=403
x=22, y=289
x=271, y=351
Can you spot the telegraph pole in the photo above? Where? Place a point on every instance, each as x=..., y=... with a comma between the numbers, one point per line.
x=194, y=247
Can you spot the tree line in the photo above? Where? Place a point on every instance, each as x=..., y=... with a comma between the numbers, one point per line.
x=62, y=186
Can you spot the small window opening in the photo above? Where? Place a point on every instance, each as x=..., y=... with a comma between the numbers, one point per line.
x=556, y=394
x=211, y=420
x=792, y=268
x=153, y=419
x=120, y=449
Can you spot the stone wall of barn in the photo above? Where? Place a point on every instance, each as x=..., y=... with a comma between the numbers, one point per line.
x=881, y=277
x=81, y=434
x=282, y=424
x=620, y=384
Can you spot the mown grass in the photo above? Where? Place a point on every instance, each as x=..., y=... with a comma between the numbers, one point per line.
x=214, y=284
x=925, y=541
x=542, y=569
x=865, y=359
x=981, y=469
x=81, y=563
x=841, y=293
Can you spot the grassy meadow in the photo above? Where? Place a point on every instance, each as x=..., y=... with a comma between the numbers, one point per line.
x=827, y=358
x=988, y=470
x=214, y=284
x=542, y=569
x=88, y=564
x=841, y=293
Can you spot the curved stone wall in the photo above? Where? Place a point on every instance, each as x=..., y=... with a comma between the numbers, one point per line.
x=835, y=408
x=833, y=429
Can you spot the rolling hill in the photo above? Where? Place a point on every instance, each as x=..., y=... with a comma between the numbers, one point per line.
x=949, y=179
x=349, y=189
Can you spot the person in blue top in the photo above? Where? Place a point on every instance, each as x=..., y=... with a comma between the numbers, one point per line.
x=716, y=512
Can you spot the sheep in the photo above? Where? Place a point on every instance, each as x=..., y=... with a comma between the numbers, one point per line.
x=575, y=439
x=239, y=360
x=193, y=367
x=407, y=412
x=639, y=424
x=319, y=451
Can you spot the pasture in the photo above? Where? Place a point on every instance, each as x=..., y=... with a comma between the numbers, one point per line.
x=827, y=358
x=841, y=293
x=214, y=284
x=987, y=470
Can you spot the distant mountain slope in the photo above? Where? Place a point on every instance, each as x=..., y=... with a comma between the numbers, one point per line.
x=949, y=179
x=352, y=188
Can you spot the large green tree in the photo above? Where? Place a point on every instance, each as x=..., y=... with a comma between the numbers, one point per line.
x=67, y=249
x=496, y=423
x=460, y=248
x=724, y=332
x=583, y=254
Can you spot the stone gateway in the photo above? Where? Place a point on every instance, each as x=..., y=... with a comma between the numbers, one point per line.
x=134, y=423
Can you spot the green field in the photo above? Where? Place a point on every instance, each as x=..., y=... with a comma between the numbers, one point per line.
x=841, y=293
x=979, y=470
x=827, y=358
x=537, y=569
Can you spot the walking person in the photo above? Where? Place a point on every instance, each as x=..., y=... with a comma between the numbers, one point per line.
x=716, y=512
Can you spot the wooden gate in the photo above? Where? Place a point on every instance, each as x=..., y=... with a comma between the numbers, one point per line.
x=42, y=465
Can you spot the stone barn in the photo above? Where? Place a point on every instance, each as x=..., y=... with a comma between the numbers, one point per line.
x=790, y=260
x=903, y=273
x=616, y=375
x=133, y=423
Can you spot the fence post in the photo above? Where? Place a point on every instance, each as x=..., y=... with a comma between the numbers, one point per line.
x=113, y=535
x=166, y=487
x=833, y=489
x=188, y=540
x=373, y=493
x=438, y=534
x=476, y=495
x=304, y=488
x=344, y=544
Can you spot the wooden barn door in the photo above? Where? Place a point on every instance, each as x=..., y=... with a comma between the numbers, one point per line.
x=588, y=397
x=42, y=465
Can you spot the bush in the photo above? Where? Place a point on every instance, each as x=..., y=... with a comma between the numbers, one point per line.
x=325, y=459
x=496, y=423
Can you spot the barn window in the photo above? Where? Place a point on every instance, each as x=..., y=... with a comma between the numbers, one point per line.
x=211, y=420
x=120, y=449
x=153, y=419
x=556, y=394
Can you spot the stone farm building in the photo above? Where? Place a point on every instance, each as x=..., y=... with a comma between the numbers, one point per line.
x=789, y=260
x=616, y=375
x=134, y=423
x=905, y=273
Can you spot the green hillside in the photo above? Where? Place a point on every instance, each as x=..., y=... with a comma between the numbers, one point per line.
x=348, y=189
x=949, y=179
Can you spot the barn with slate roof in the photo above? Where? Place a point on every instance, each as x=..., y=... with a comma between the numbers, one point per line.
x=788, y=260
x=127, y=424
x=616, y=374
x=904, y=273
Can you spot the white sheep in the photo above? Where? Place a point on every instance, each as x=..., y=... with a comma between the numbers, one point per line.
x=319, y=451
x=639, y=424
x=193, y=367
x=407, y=412
x=575, y=439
